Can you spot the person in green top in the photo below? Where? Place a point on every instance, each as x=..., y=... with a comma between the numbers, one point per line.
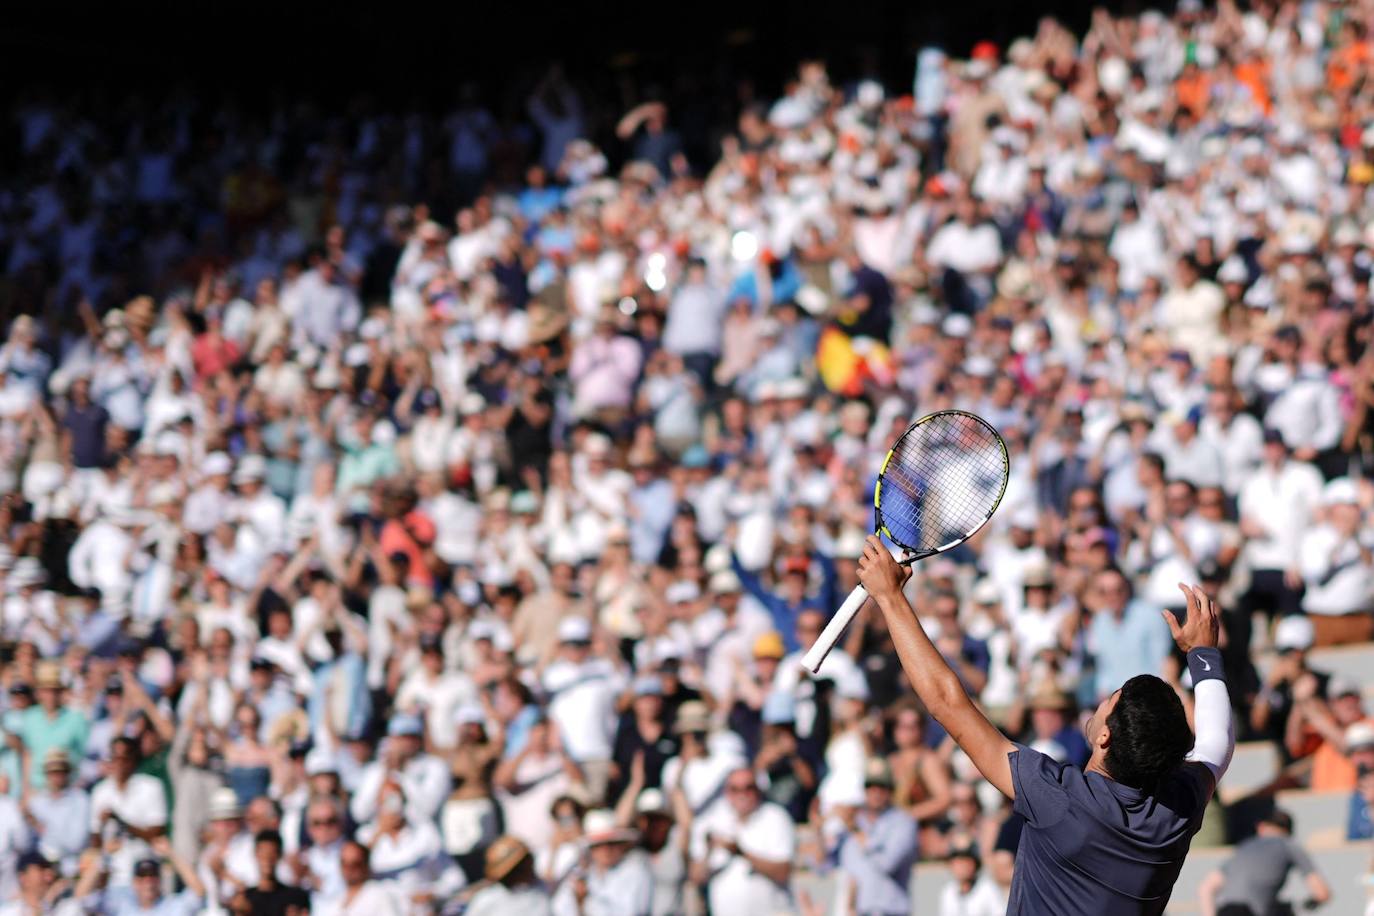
x=48, y=724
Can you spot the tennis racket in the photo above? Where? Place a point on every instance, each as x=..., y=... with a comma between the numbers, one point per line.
x=938, y=485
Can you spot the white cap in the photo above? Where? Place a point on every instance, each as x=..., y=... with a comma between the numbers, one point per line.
x=979, y=366
x=372, y=329
x=1290, y=134
x=1359, y=735
x=791, y=388
x=1294, y=632
x=1233, y=270
x=850, y=544
x=471, y=403
x=1341, y=492
x=1345, y=233
x=1340, y=686
x=870, y=94
x=215, y=464
x=161, y=494
x=327, y=376
x=469, y=714
x=599, y=826
x=681, y=591
x=985, y=591
x=957, y=325
x=725, y=582
x=574, y=629
x=251, y=468
x=853, y=687
x=598, y=445
x=1025, y=517
x=925, y=313
x=319, y=761
x=224, y=805
x=651, y=801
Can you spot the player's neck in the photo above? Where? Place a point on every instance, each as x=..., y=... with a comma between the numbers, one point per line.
x=1097, y=764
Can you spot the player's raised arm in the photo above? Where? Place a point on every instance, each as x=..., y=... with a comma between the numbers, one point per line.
x=934, y=681
x=1214, y=732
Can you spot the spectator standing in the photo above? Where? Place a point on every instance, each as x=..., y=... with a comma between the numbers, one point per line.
x=742, y=850
x=878, y=848
x=1248, y=884
x=969, y=892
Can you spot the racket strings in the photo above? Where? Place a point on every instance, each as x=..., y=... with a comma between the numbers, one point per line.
x=944, y=479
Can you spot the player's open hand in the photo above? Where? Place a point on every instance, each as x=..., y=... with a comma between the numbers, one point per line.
x=881, y=575
x=1202, y=627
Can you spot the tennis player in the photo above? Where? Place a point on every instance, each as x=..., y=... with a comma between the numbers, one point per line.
x=1111, y=837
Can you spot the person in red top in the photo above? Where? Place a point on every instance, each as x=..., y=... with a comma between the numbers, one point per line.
x=409, y=531
x=212, y=352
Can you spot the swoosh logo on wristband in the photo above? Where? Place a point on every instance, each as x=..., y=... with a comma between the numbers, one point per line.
x=1205, y=666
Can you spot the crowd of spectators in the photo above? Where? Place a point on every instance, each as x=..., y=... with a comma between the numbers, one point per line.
x=411, y=514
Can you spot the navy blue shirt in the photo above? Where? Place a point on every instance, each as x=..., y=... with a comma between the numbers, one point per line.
x=1091, y=845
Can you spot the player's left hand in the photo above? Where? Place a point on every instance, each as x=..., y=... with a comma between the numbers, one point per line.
x=1202, y=627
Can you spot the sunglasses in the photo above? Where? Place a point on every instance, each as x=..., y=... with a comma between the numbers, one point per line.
x=742, y=787
x=324, y=822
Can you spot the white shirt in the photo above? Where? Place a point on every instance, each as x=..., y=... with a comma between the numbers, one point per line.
x=205, y=508
x=984, y=898
x=1139, y=248
x=967, y=249
x=1282, y=501
x=1193, y=317
x=735, y=889
x=1198, y=461
x=98, y=559
x=140, y=803
x=416, y=843
x=439, y=698
x=1338, y=581
x=1307, y=412
x=1036, y=630
x=423, y=778
x=14, y=837
x=625, y=890
x=526, y=814
x=1241, y=446
x=373, y=899
x=582, y=704
x=1171, y=567
x=839, y=667
x=498, y=900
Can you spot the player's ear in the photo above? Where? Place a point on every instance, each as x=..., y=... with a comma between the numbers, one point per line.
x=1103, y=738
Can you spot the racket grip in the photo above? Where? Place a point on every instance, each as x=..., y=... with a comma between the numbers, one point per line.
x=834, y=629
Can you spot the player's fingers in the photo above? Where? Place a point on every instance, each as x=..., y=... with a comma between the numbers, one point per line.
x=1190, y=598
x=1205, y=603
x=1172, y=621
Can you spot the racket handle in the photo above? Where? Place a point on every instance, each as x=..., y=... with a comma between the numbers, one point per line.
x=834, y=629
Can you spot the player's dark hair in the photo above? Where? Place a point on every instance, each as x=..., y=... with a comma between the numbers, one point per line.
x=1150, y=733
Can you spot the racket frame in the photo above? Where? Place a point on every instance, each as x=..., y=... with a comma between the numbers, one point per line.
x=830, y=636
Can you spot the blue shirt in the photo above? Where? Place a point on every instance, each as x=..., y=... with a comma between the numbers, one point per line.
x=1091, y=845
x=1135, y=644
x=1359, y=825
x=783, y=612
x=121, y=901
x=64, y=822
x=881, y=865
